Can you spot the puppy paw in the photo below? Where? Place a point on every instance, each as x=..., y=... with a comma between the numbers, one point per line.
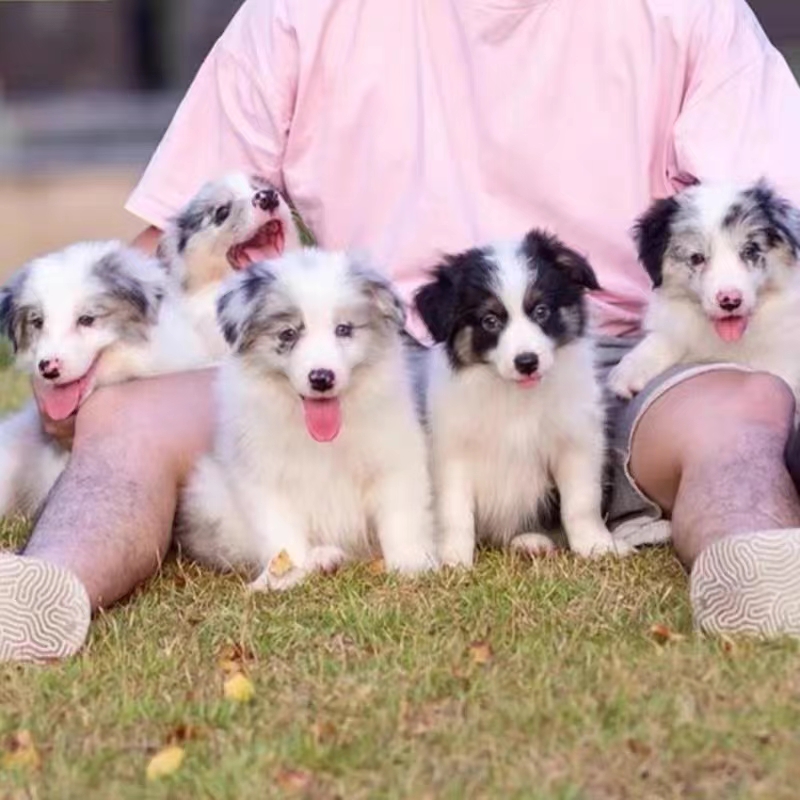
x=280, y=574
x=457, y=551
x=410, y=562
x=326, y=558
x=597, y=546
x=629, y=377
x=533, y=545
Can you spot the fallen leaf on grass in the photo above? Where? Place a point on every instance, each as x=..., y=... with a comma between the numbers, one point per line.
x=239, y=689
x=165, y=762
x=21, y=752
x=183, y=733
x=323, y=732
x=662, y=634
x=639, y=748
x=280, y=564
x=481, y=652
x=233, y=658
x=377, y=567
x=293, y=780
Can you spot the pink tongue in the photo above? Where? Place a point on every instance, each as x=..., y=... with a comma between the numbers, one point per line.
x=60, y=402
x=268, y=244
x=323, y=418
x=730, y=329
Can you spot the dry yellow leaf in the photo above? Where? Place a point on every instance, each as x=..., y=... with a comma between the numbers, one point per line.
x=480, y=652
x=165, y=762
x=280, y=564
x=377, y=567
x=662, y=634
x=239, y=688
x=21, y=753
x=293, y=780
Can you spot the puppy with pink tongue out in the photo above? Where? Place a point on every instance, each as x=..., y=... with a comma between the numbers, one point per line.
x=726, y=284
x=319, y=455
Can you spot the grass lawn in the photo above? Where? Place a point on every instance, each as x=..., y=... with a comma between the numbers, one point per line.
x=520, y=680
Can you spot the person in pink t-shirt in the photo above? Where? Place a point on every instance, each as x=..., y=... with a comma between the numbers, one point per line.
x=409, y=129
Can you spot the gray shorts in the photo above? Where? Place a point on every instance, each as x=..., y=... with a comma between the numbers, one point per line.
x=632, y=516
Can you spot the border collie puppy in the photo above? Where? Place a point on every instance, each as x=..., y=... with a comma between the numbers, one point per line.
x=229, y=224
x=515, y=410
x=723, y=261
x=319, y=454
x=92, y=314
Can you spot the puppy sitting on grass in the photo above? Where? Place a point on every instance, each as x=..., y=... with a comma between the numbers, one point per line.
x=319, y=455
x=514, y=405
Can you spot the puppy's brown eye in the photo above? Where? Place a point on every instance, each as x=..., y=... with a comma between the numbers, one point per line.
x=697, y=259
x=222, y=213
x=344, y=331
x=86, y=321
x=491, y=323
x=37, y=323
x=287, y=336
x=541, y=313
x=750, y=252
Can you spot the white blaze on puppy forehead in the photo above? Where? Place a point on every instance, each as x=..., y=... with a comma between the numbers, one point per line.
x=514, y=277
x=315, y=318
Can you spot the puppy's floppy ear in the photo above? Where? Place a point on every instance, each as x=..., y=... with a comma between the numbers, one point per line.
x=239, y=304
x=135, y=284
x=11, y=322
x=652, y=233
x=380, y=292
x=540, y=244
x=783, y=219
x=12, y=317
x=577, y=268
x=436, y=302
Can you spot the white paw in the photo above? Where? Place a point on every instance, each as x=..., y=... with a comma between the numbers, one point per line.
x=600, y=544
x=457, y=554
x=412, y=563
x=326, y=558
x=280, y=574
x=534, y=545
x=630, y=376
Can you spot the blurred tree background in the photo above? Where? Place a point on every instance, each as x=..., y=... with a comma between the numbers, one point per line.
x=88, y=86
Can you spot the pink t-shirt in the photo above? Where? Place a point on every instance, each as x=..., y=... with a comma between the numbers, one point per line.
x=410, y=128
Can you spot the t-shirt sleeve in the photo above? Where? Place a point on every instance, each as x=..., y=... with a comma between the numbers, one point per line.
x=235, y=115
x=740, y=118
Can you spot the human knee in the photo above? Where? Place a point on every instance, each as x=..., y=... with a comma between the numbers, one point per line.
x=166, y=421
x=757, y=399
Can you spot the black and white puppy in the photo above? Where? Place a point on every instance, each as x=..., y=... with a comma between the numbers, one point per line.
x=726, y=284
x=230, y=223
x=95, y=313
x=319, y=455
x=515, y=411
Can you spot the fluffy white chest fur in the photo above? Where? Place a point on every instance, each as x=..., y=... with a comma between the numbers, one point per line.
x=269, y=487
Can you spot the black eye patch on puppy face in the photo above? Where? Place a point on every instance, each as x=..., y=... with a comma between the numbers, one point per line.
x=460, y=308
x=560, y=278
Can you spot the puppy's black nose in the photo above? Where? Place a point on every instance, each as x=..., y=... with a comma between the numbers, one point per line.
x=49, y=368
x=321, y=380
x=266, y=199
x=526, y=363
x=730, y=304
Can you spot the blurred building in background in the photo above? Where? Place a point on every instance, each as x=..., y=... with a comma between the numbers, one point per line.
x=88, y=86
